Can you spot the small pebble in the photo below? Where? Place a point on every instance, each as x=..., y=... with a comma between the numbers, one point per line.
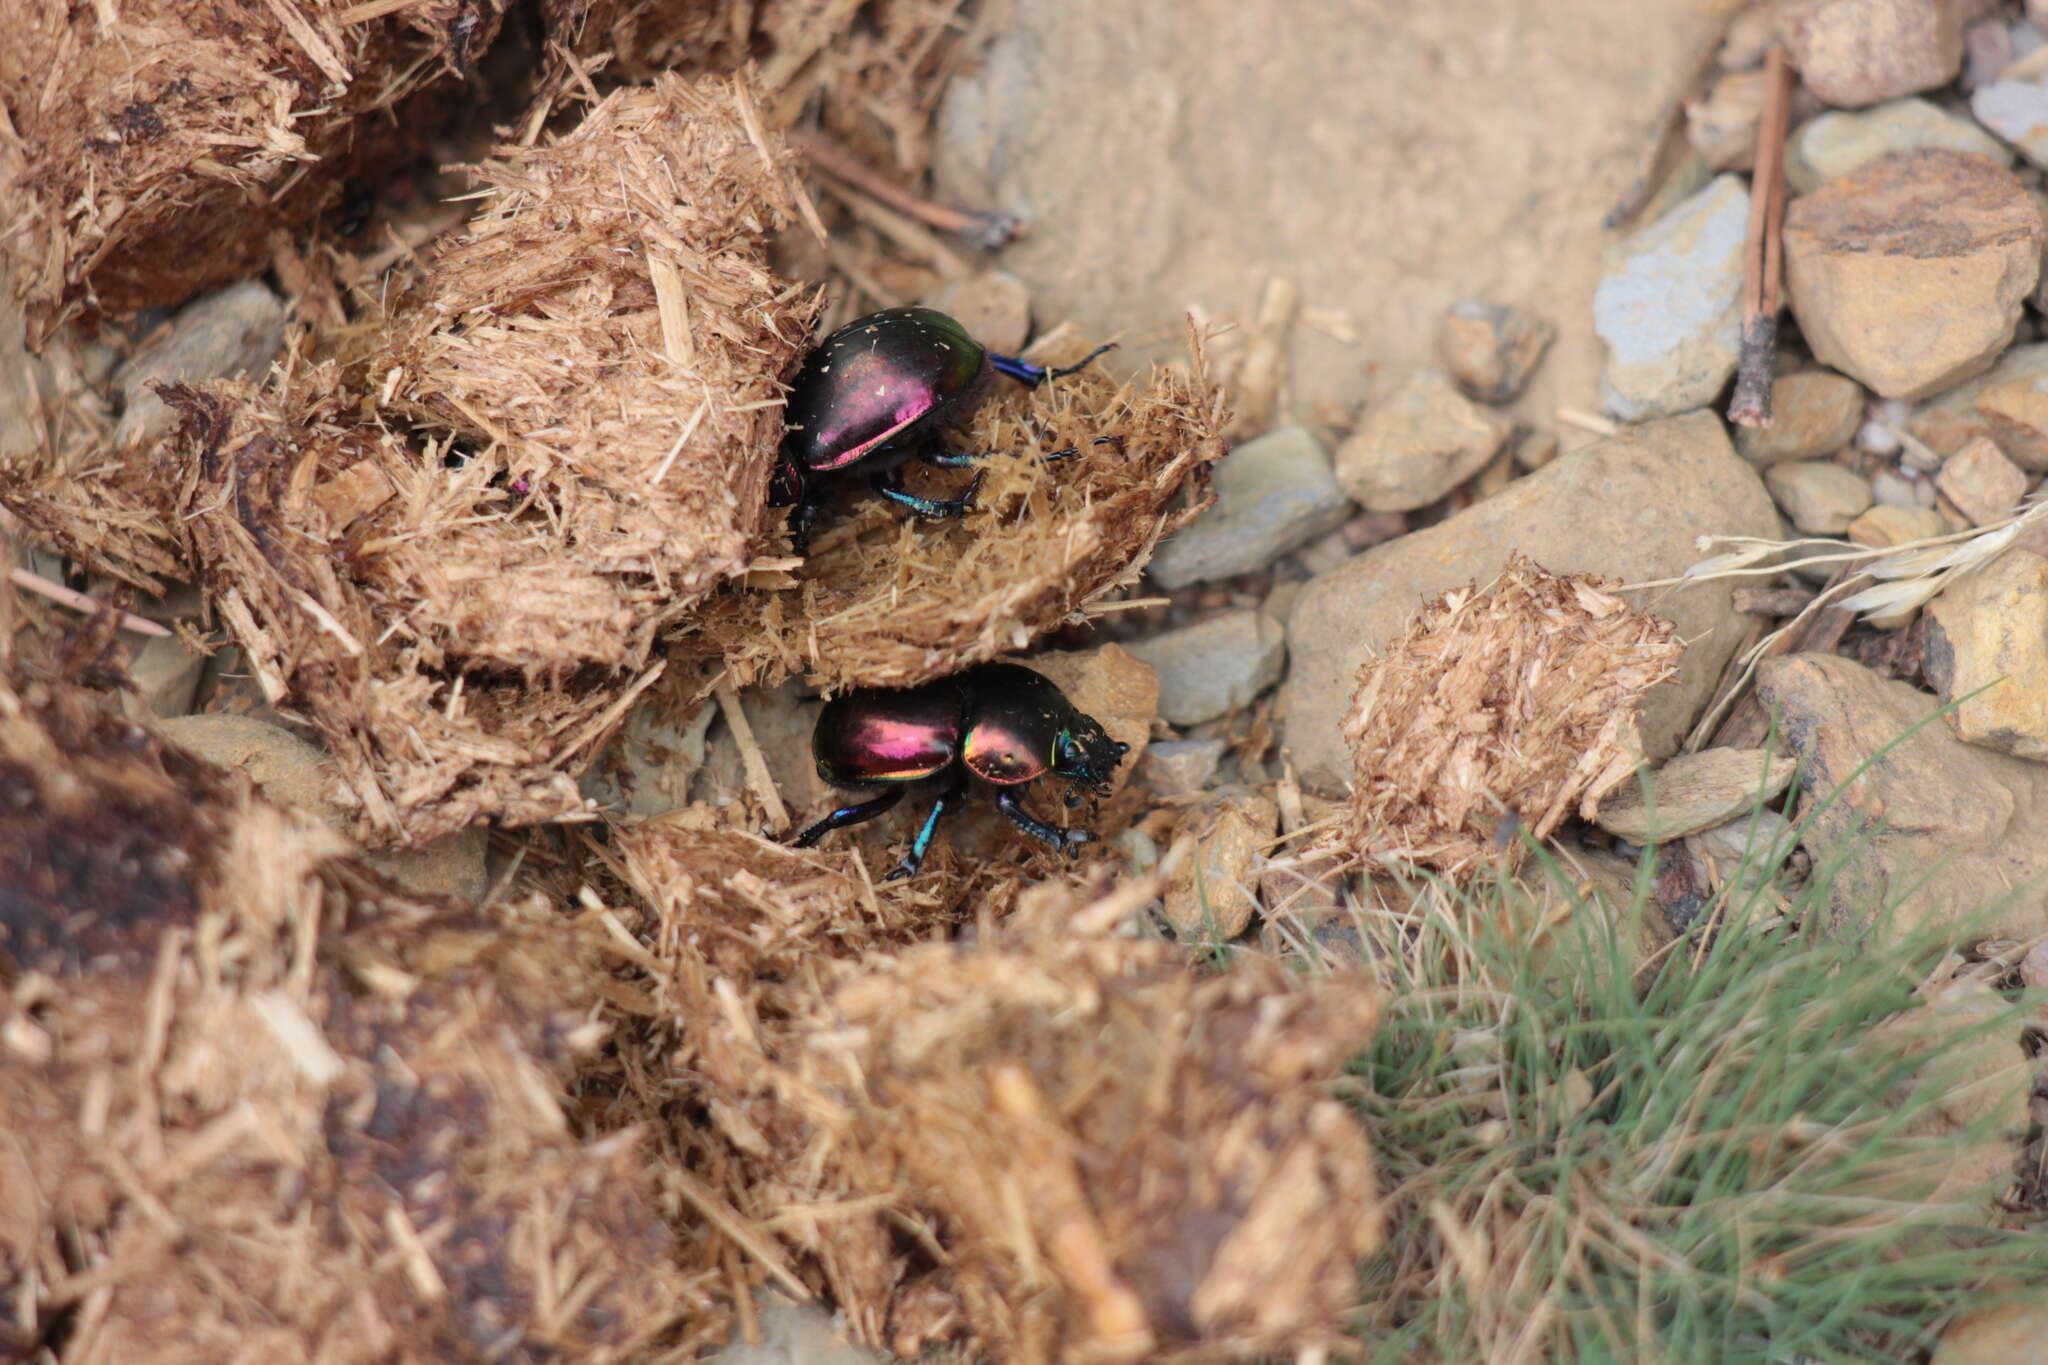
x=1181, y=767
x=1213, y=667
x=1820, y=496
x=1877, y=438
x=1891, y=488
x=1982, y=483
x=1273, y=495
x=1813, y=413
x=1490, y=349
x=1885, y=526
x=1418, y=444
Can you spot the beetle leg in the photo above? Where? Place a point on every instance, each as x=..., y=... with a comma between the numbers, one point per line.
x=938, y=457
x=1012, y=806
x=936, y=508
x=1031, y=376
x=848, y=815
x=922, y=844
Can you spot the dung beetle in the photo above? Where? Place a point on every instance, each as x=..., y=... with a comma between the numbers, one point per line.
x=997, y=725
x=877, y=392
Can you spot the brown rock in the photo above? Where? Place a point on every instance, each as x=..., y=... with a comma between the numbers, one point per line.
x=2010, y=1334
x=1981, y=1075
x=2008, y=402
x=1419, y=444
x=1820, y=497
x=1490, y=349
x=1929, y=802
x=1813, y=413
x=1909, y=273
x=1582, y=513
x=1212, y=895
x=1694, y=792
x=1981, y=482
x=1857, y=52
x=1883, y=527
x=1986, y=650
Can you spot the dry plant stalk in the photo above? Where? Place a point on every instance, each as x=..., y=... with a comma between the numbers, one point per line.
x=1090, y=1151
x=261, y=1104
x=1500, y=710
x=884, y=601
x=454, y=552
x=1763, y=247
x=149, y=149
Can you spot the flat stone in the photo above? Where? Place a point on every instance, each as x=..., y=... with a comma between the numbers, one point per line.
x=291, y=772
x=1909, y=273
x=993, y=305
x=1813, y=413
x=166, y=673
x=1416, y=445
x=1694, y=792
x=1857, y=52
x=1820, y=496
x=2018, y=112
x=1273, y=495
x=1986, y=651
x=1112, y=684
x=1181, y=767
x=1211, y=668
x=1883, y=527
x=1214, y=892
x=1491, y=349
x=1669, y=306
x=795, y=1334
x=646, y=770
x=1925, y=803
x=232, y=332
x=1760, y=838
x=1836, y=143
x=1971, y=1036
x=1582, y=513
x=1982, y=483
x=2015, y=394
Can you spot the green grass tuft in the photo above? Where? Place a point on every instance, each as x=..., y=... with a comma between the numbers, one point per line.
x=1715, y=1157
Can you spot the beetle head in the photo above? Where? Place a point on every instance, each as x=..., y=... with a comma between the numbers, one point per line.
x=1085, y=752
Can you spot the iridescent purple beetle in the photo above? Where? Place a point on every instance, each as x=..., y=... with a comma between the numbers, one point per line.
x=877, y=392
x=996, y=725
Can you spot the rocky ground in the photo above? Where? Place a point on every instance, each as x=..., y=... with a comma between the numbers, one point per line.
x=1459, y=364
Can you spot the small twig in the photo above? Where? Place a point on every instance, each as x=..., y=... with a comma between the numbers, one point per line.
x=1264, y=368
x=984, y=229
x=78, y=601
x=1761, y=249
x=752, y=760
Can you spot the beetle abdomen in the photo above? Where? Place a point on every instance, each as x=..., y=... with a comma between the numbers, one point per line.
x=869, y=737
x=874, y=379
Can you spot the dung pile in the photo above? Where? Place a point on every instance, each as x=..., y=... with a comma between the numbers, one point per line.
x=1500, y=710
x=1050, y=1142
x=454, y=550
x=885, y=602
x=155, y=146
x=230, y=1058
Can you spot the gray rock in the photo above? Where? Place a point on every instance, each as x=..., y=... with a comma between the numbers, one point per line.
x=1693, y=792
x=1986, y=647
x=1582, y=513
x=1417, y=444
x=1211, y=668
x=1954, y=825
x=234, y=331
x=1273, y=495
x=1837, y=143
x=796, y=1334
x=1820, y=496
x=1813, y=413
x=2018, y=112
x=1669, y=306
x=1181, y=767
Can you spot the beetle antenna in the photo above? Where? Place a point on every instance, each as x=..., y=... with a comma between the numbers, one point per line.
x=1084, y=362
x=1031, y=376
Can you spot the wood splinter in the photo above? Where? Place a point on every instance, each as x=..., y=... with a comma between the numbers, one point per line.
x=1762, y=251
x=990, y=230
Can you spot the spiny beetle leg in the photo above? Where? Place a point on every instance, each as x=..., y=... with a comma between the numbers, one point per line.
x=1012, y=806
x=938, y=457
x=848, y=815
x=1031, y=376
x=937, y=509
x=922, y=844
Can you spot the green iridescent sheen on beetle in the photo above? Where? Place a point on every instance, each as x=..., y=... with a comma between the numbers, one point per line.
x=877, y=392
x=998, y=726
